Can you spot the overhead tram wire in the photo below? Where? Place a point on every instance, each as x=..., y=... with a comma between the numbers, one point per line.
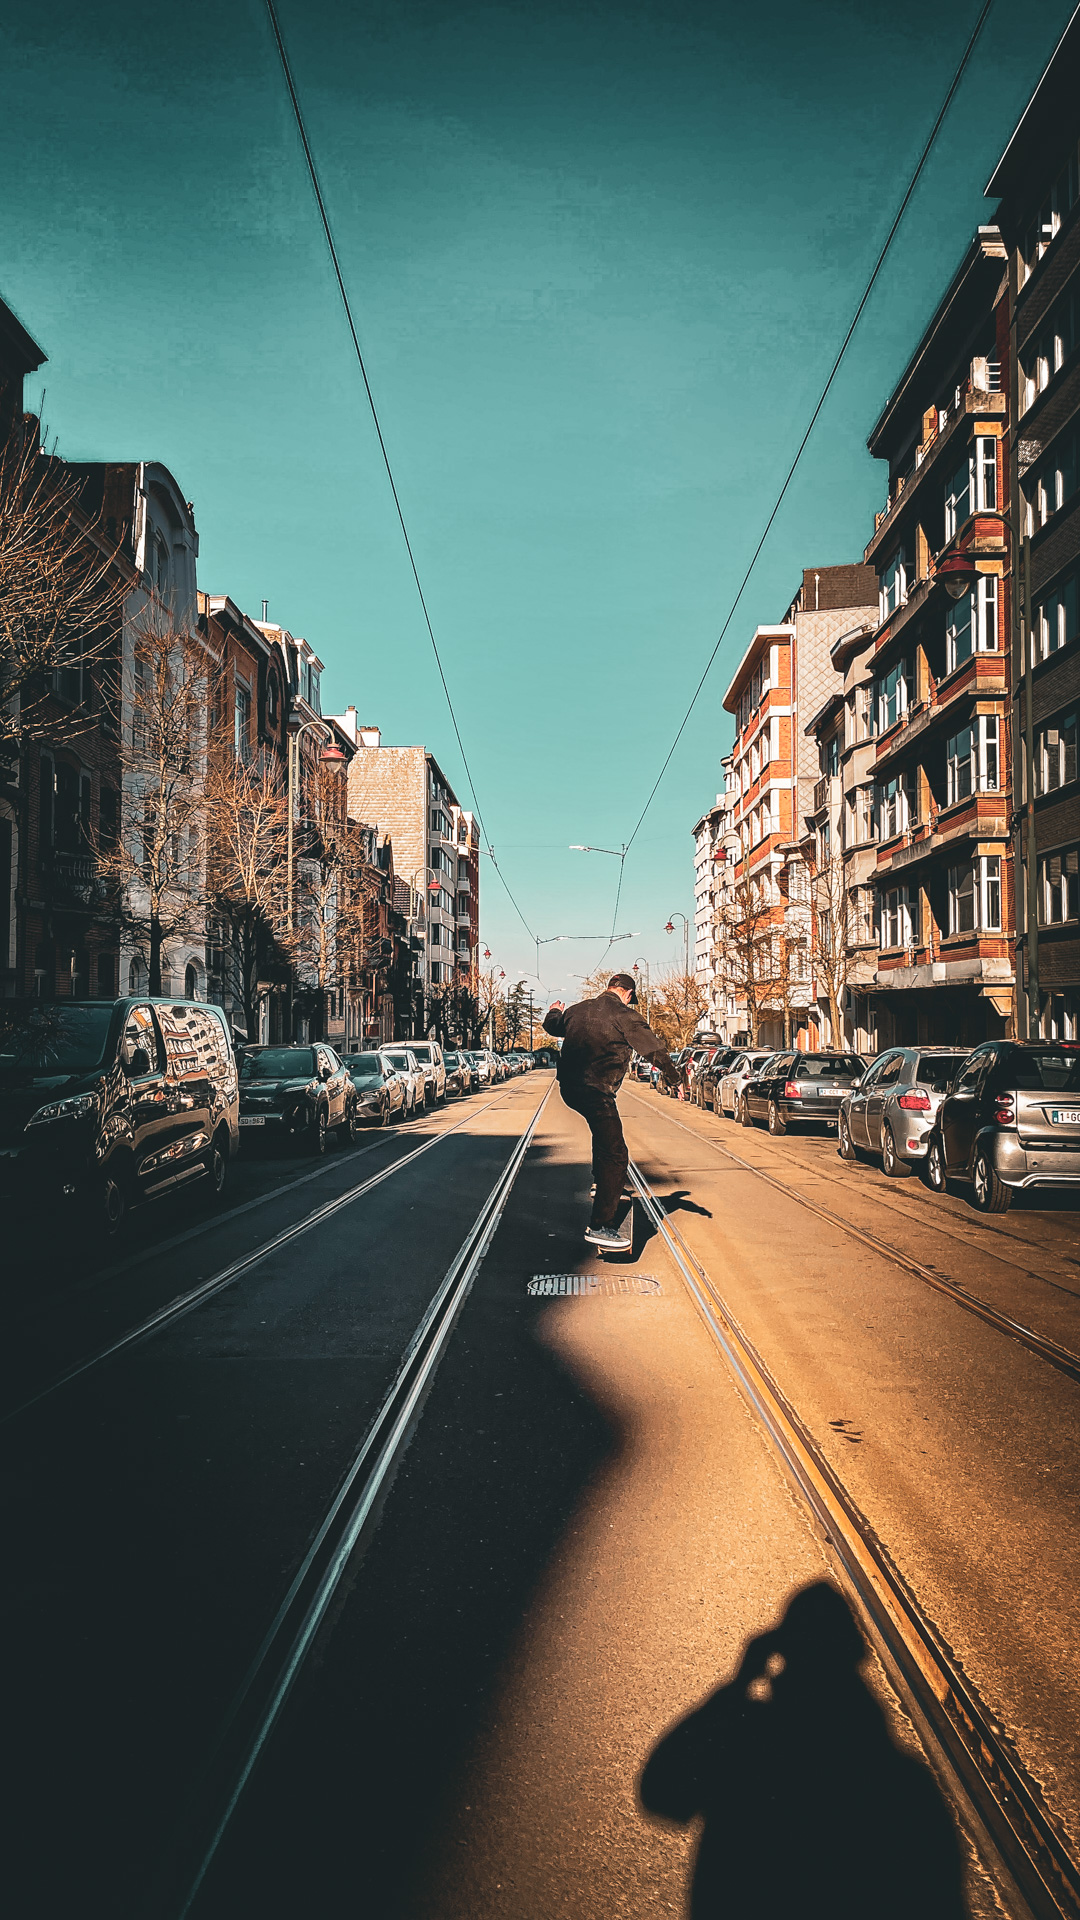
x=825, y=391
x=336, y=264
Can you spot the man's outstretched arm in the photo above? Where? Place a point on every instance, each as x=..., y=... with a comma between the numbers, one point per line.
x=555, y=1019
x=650, y=1046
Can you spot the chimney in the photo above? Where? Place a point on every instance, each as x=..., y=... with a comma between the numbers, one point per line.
x=266, y=603
x=369, y=736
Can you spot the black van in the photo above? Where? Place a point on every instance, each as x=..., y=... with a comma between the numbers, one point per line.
x=111, y=1102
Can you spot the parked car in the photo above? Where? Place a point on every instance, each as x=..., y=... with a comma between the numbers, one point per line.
x=705, y=1084
x=1010, y=1120
x=804, y=1088
x=297, y=1093
x=429, y=1056
x=481, y=1066
x=892, y=1109
x=380, y=1091
x=459, y=1074
x=105, y=1104
x=411, y=1074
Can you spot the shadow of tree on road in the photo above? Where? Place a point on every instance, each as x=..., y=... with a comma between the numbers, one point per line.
x=809, y=1807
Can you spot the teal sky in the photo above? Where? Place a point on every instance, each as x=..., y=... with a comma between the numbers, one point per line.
x=600, y=257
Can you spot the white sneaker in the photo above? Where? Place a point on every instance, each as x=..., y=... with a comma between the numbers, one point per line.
x=628, y=1192
x=609, y=1238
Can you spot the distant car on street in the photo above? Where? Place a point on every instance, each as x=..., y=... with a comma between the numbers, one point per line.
x=380, y=1092
x=1011, y=1120
x=798, y=1088
x=410, y=1073
x=459, y=1074
x=892, y=1109
x=481, y=1066
x=709, y=1072
x=297, y=1093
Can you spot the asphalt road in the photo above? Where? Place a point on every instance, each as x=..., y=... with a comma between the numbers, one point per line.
x=583, y=1534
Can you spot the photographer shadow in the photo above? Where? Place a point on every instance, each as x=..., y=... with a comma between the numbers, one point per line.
x=808, y=1806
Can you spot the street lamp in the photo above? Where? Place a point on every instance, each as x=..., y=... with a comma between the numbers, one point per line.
x=670, y=928
x=332, y=756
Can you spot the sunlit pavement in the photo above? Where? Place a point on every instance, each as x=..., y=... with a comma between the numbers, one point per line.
x=586, y=1530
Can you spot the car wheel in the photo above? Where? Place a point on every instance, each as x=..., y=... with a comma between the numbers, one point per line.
x=845, y=1142
x=110, y=1203
x=217, y=1166
x=384, y=1112
x=936, y=1172
x=894, y=1166
x=349, y=1129
x=319, y=1133
x=991, y=1194
x=778, y=1125
x=745, y=1119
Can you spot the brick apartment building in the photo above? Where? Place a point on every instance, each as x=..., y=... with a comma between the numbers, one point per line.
x=1037, y=184
x=939, y=693
x=764, y=928
x=467, y=908
x=404, y=792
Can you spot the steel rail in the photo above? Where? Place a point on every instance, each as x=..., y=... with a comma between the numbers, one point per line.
x=1049, y=1350
x=185, y=1303
x=261, y=1697
x=1002, y=1804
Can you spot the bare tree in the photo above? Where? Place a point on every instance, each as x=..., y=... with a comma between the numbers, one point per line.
x=677, y=1002
x=832, y=935
x=61, y=592
x=333, y=888
x=754, y=962
x=247, y=829
x=156, y=861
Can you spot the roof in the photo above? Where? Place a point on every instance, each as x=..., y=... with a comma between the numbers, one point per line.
x=742, y=671
x=19, y=353
x=1046, y=128
x=834, y=704
x=971, y=295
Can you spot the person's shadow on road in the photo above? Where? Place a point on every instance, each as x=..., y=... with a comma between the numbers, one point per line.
x=809, y=1807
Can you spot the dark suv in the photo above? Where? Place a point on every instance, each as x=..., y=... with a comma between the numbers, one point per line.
x=111, y=1102
x=298, y=1093
x=1011, y=1119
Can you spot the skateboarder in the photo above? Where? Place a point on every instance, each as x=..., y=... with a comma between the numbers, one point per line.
x=598, y=1036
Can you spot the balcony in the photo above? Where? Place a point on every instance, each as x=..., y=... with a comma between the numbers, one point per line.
x=989, y=402
x=983, y=675
x=982, y=816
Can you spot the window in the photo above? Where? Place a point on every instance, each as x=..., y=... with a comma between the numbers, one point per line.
x=831, y=758
x=973, y=486
x=975, y=896
x=1056, y=620
x=1055, y=755
x=242, y=724
x=439, y=823
x=972, y=758
x=899, y=923
x=892, y=696
x=766, y=744
x=895, y=806
x=1059, y=887
x=1045, y=355
x=892, y=589
x=1052, y=484
x=1045, y=226
x=971, y=624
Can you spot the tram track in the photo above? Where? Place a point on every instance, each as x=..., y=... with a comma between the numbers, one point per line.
x=999, y=1800
x=185, y=1303
x=1051, y=1351
x=249, y=1722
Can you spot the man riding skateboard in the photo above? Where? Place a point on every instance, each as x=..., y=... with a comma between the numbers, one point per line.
x=598, y=1036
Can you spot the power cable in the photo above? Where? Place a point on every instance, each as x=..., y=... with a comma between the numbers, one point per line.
x=336, y=264
x=879, y=263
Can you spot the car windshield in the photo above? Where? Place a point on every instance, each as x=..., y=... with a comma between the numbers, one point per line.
x=423, y=1052
x=364, y=1066
x=47, y=1040
x=1045, y=1071
x=398, y=1060
x=451, y=1059
x=278, y=1063
x=828, y=1066
x=937, y=1069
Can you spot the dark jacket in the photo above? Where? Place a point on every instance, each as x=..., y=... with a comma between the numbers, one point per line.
x=598, y=1036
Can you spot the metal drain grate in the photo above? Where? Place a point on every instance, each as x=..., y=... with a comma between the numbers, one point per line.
x=549, y=1285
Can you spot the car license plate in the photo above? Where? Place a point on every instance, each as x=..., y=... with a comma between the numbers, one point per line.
x=1065, y=1116
x=252, y=1120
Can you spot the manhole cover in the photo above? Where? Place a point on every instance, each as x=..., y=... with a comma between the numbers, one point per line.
x=549, y=1285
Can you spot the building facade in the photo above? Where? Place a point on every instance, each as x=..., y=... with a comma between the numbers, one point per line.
x=1037, y=186
x=764, y=927
x=940, y=676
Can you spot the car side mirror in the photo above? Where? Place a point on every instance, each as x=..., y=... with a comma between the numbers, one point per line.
x=138, y=1064
x=963, y=1093
x=325, y=1073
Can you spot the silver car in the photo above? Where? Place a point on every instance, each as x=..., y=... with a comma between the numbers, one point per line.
x=892, y=1109
x=409, y=1070
x=729, y=1088
x=429, y=1055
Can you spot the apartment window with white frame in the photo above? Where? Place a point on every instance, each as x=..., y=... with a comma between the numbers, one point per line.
x=895, y=806
x=1055, y=755
x=973, y=486
x=975, y=895
x=971, y=625
x=1059, y=887
x=898, y=916
x=892, y=695
x=1052, y=485
x=1056, y=620
x=973, y=758
x=892, y=589
x=1045, y=355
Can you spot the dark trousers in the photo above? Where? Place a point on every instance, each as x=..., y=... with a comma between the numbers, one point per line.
x=609, y=1156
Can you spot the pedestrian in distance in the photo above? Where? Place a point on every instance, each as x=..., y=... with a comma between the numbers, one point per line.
x=598, y=1037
